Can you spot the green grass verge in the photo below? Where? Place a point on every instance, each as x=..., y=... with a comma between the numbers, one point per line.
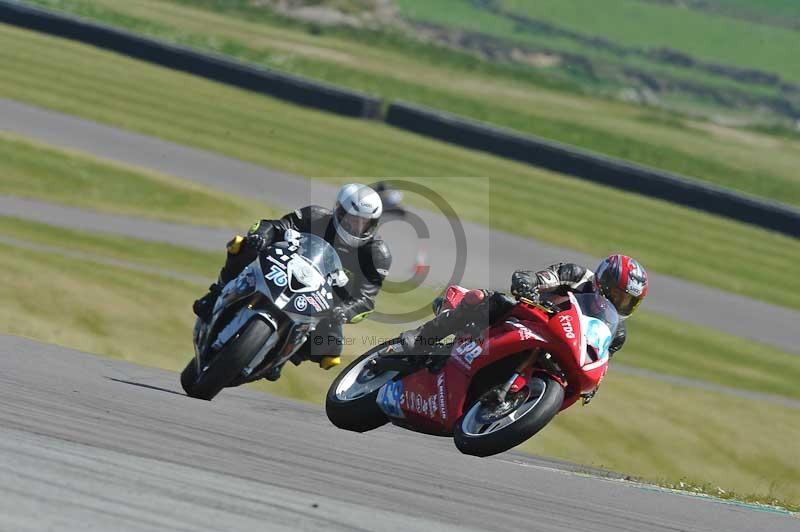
x=677, y=348
x=702, y=35
x=788, y=10
x=521, y=98
x=616, y=41
x=35, y=170
x=95, y=84
x=670, y=434
x=638, y=426
x=151, y=254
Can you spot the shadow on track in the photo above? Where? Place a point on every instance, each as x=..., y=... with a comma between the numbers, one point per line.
x=148, y=386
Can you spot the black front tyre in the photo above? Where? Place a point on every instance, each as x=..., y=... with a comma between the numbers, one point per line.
x=352, y=408
x=478, y=433
x=228, y=364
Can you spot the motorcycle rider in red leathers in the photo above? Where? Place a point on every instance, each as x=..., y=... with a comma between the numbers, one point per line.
x=621, y=279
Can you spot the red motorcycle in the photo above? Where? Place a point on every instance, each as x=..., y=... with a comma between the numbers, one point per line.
x=497, y=387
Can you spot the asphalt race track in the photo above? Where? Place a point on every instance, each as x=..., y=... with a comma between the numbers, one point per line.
x=88, y=443
x=491, y=255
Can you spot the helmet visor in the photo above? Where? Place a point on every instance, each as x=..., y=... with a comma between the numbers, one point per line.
x=355, y=225
x=623, y=301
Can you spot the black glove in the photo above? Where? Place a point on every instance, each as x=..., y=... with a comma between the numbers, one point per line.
x=256, y=242
x=521, y=286
x=338, y=315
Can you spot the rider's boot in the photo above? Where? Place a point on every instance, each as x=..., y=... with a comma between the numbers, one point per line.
x=235, y=261
x=329, y=362
x=326, y=362
x=204, y=306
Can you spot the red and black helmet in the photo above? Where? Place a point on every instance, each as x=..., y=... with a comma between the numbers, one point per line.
x=623, y=281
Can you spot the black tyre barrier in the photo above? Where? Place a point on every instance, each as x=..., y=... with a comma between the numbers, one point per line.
x=594, y=167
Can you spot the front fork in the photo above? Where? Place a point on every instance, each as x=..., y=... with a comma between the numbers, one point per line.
x=517, y=380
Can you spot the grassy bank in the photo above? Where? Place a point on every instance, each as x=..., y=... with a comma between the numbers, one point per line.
x=670, y=434
x=679, y=433
x=634, y=24
x=35, y=170
x=88, y=82
x=519, y=97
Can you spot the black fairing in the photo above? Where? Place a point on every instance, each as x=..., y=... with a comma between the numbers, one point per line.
x=288, y=292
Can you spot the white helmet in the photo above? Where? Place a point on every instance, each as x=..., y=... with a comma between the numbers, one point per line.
x=356, y=213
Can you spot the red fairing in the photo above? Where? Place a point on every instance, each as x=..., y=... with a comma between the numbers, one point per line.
x=433, y=402
x=469, y=355
x=583, y=374
x=421, y=398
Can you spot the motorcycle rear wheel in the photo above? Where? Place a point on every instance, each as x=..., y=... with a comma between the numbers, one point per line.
x=357, y=410
x=228, y=364
x=479, y=434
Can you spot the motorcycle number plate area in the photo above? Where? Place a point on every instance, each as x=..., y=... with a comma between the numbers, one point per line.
x=467, y=351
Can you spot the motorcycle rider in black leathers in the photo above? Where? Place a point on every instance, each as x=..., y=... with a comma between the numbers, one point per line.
x=350, y=229
x=619, y=278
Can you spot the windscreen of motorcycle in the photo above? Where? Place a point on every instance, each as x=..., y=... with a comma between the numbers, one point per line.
x=298, y=274
x=599, y=322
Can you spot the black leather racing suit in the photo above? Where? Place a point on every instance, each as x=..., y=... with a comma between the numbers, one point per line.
x=366, y=267
x=556, y=279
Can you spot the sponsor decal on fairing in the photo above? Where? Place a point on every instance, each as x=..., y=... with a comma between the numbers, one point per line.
x=467, y=352
x=524, y=332
x=441, y=396
x=314, y=303
x=276, y=262
x=598, y=336
x=566, y=323
x=418, y=404
x=390, y=398
x=277, y=276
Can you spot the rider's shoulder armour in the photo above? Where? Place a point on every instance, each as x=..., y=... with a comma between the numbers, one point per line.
x=375, y=259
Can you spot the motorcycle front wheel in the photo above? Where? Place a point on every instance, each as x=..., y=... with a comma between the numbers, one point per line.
x=226, y=365
x=351, y=400
x=489, y=427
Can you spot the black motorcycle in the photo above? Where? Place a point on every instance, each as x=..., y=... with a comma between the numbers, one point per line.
x=264, y=315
